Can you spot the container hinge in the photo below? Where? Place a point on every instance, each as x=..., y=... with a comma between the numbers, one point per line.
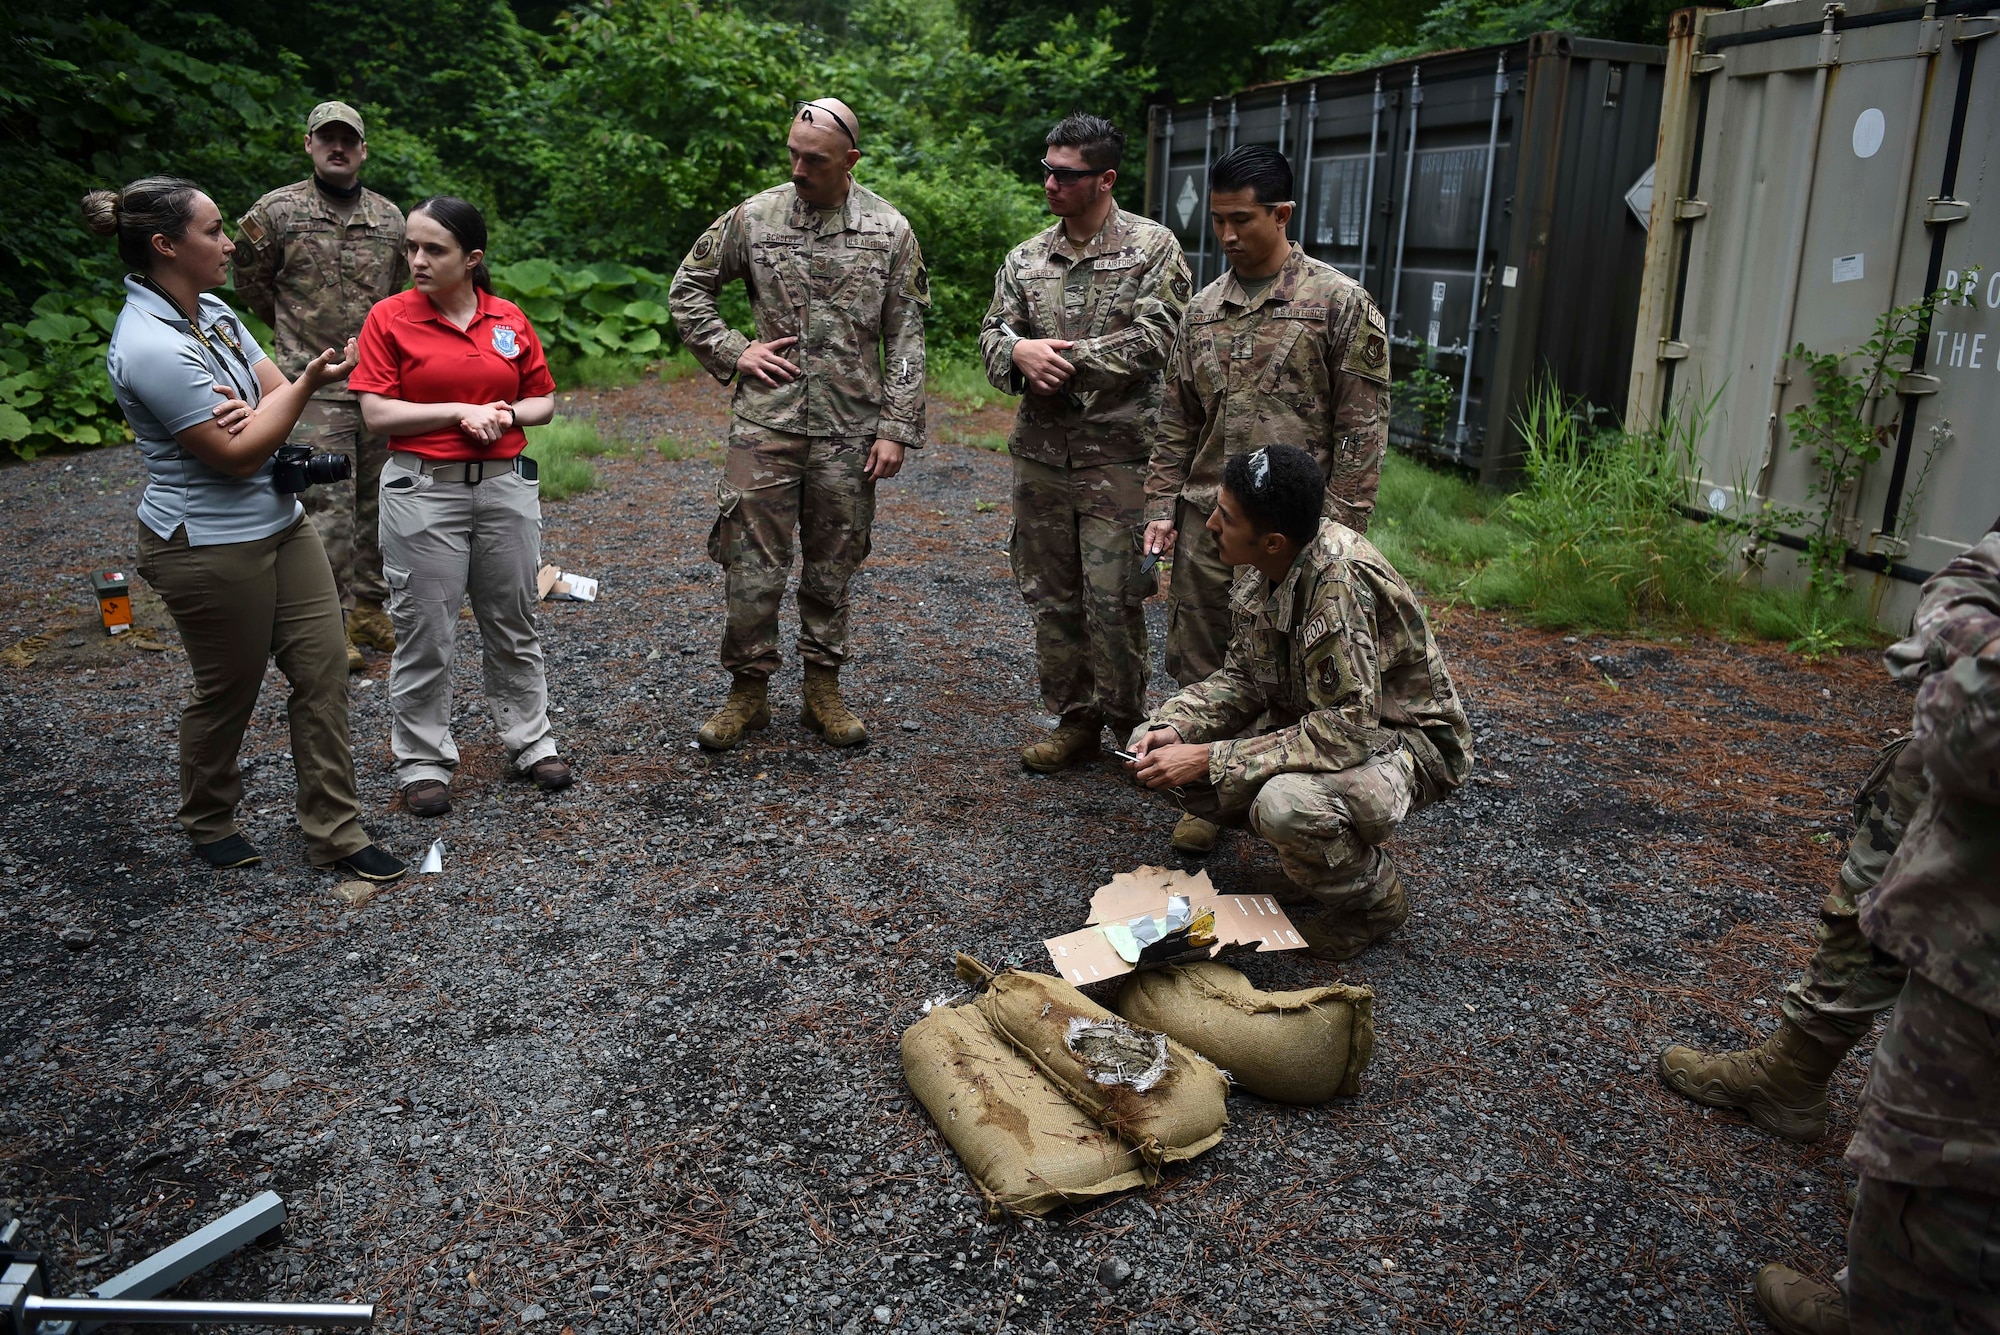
x=1704, y=63
x=1930, y=37
x=1687, y=210
x=1916, y=382
x=1672, y=350
x=1968, y=28
x=1942, y=211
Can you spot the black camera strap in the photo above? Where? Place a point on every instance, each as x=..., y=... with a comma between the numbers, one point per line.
x=194, y=329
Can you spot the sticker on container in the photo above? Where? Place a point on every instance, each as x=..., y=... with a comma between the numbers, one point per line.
x=1847, y=269
x=1189, y=201
x=1510, y=277
x=1718, y=500
x=1869, y=128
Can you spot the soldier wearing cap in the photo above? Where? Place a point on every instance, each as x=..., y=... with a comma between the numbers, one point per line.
x=828, y=396
x=1280, y=349
x=311, y=259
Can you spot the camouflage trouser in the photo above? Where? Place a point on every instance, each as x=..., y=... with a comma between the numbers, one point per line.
x=345, y=513
x=1849, y=981
x=1324, y=827
x=1076, y=556
x=1923, y=1261
x=1198, y=617
x=772, y=483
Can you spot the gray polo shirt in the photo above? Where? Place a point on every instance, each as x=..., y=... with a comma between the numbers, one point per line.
x=165, y=382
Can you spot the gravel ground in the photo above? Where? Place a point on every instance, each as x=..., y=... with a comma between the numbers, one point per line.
x=630, y=1062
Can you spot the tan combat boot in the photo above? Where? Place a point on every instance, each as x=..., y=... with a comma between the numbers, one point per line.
x=1074, y=739
x=1781, y=1083
x=825, y=713
x=746, y=710
x=1798, y=1305
x=355, y=662
x=1341, y=934
x=1195, y=836
x=368, y=626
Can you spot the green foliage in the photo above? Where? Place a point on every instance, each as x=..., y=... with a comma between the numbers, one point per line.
x=605, y=311
x=53, y=385
x=1428, y=395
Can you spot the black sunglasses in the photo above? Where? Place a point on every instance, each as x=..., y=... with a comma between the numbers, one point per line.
x=804, y=111
x=1071, y=175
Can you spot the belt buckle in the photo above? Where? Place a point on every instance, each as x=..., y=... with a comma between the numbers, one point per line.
x=474, y=479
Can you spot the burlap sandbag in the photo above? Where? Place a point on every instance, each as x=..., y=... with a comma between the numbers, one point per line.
x=1027, y=1146
x=1290, y=1047
x=1170, y=1112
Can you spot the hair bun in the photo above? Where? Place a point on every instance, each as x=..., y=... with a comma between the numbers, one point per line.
x=100, y=212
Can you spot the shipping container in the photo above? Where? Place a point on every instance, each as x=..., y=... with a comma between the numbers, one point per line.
x=1492, y=201
x=1820, y=167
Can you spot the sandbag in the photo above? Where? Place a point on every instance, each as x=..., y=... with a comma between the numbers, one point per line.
x=1027, y=1146
x=1290, y=1047
x=1162, y=1099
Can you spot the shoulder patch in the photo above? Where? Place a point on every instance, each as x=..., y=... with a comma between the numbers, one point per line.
x=707, y=251
x=1179, y=287
x=251, y=230
x=1368, y=350
x=917, y=287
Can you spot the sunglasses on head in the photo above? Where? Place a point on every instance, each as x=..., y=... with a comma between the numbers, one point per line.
x=1071, y=175
x=804, y=111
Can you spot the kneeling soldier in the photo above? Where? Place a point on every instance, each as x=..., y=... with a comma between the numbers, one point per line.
x=1368, y=728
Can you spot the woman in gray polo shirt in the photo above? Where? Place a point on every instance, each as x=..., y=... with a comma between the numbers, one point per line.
x=239, y=567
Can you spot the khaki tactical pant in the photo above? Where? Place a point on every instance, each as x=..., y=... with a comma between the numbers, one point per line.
x=1848, y=980
x=345, y=512
x=772, y=483
x=1324, y=827
x=238, y=605
x=1076, y=554
x=440, y=542
x=1198, y=618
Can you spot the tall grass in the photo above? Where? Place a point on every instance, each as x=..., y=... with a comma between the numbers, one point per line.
x=564, y=449
x=1596, y=538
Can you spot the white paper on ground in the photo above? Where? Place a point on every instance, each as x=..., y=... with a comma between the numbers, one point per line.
x=433, y=860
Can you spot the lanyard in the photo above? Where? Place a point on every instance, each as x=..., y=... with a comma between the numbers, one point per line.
x=220, y=331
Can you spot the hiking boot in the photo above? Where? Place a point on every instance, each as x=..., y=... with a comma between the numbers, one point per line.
x=1798, y=1305
x=551, y=774
x=1195, y=836
x=368, y=626
x=1341, y=934
x=355, y=662
x=1781, y=1083
x=232, y=850
x=1074, y=739
x=428, y=797
x=825, y=713
x=373, y=863
x=747, y=709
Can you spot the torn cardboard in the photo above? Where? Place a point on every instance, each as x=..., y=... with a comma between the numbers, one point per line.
x=564, y=586
x=1142, y=903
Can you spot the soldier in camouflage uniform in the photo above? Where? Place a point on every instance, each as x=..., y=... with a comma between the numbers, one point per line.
x=311, y=260
x=1781, y=1083
x=1281, y=348
x=828, y=396
x=1082, y=320
x=1331, y=647
x=1923, y=1245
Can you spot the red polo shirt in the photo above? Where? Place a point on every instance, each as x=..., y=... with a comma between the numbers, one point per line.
x=410, y=352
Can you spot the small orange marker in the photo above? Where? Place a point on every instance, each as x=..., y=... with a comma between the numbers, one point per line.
x=114, y=600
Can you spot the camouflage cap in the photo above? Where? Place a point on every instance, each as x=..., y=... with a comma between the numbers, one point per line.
x=335, y=113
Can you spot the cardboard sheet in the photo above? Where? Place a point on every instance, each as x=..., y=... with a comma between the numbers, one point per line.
x=1242, y=922
x=564, y=586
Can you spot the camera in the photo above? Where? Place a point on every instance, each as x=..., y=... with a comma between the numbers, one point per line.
x=296, y=467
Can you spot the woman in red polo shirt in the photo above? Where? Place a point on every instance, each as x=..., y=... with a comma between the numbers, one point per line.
x=451, y=373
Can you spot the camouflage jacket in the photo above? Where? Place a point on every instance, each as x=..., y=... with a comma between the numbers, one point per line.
x=1121, y=317
x=1937, y=908
x=1340, y=654
x=1307, y=366
x=313, y=278
x=853, y=294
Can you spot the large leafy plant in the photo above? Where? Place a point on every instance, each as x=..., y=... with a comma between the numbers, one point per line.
x=53, y=386
x=598, y=310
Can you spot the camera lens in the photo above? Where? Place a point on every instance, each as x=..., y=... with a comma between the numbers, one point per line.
x=329, y=468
